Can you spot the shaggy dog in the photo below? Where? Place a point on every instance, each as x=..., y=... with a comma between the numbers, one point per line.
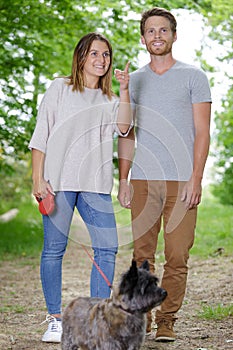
x=117, y=323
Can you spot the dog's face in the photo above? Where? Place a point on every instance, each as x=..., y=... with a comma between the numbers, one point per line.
x=138, y=289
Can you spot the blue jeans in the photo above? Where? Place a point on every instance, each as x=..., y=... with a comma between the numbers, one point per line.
x=96, y=211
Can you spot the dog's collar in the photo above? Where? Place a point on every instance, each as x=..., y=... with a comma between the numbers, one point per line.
x=127, y=311
x=117, y=302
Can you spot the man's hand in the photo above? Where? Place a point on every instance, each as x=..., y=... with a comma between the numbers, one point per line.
x=191, y=193
x=124, y=194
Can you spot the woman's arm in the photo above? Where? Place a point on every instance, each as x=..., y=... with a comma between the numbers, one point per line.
x=124, y=118
x=125, y=158
x=40, y=186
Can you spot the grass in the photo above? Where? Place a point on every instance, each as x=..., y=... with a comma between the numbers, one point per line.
x=216, y=312
x=214, y=231
x=18, y=309
x=23, y=235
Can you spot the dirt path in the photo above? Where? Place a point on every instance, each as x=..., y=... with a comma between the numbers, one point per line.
x=22, y=304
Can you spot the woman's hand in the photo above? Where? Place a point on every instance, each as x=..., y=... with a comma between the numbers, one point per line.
x=123, y=77
x=41, y=188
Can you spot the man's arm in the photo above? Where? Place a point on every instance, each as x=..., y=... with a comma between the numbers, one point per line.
x=125, y=158
x=192, y=191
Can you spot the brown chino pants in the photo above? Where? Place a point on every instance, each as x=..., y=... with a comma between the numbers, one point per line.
x=151, y=202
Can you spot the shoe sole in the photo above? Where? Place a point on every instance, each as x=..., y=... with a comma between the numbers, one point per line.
x=51, y=340
x=165, y=339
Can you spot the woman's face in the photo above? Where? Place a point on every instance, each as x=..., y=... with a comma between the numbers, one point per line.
x=98, y=60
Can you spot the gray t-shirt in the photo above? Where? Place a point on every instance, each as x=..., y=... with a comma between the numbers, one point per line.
x=75, y=131
x=164, y=120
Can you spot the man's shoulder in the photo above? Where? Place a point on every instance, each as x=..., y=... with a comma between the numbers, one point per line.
x=138, y=72
x=186, y=67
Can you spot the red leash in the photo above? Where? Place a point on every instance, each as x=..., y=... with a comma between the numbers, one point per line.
x=97, y=266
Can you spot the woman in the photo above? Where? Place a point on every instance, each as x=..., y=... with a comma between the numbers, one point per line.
x=72, y=158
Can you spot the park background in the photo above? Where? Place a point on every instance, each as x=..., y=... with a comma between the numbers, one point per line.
x=37, y=42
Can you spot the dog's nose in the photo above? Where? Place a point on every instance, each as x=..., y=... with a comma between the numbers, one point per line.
x=163, y=293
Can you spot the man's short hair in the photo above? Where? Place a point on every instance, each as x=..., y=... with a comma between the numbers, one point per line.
x=158, y=11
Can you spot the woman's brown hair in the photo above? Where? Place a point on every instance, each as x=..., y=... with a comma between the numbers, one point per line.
x=76, y=79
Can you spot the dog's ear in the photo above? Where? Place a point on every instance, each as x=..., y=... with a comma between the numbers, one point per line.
x=129, y=279
x=133, y=265
x=133, y=272
x=145, y=265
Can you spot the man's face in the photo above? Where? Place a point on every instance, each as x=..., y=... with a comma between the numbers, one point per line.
x=158, y=36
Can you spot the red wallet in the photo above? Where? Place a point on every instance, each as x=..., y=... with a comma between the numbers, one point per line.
x=47, y=204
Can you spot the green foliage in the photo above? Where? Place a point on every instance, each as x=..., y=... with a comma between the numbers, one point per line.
x=216, y=312
x=15, y=183
x=221, y=20
x=214, y=231
x=22, y=236
x=38, y=38
x=223, y=138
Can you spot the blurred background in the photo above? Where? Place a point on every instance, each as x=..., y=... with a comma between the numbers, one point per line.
x=37, y=42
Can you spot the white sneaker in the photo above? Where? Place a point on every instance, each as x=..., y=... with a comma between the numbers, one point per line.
x=54, y=331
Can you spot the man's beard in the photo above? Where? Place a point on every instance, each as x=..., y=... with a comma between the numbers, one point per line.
x=163, y=52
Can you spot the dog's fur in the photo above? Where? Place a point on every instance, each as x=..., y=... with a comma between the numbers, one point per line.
x=118, y=323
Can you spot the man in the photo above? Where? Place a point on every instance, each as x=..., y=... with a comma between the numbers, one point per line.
x=172, y=105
